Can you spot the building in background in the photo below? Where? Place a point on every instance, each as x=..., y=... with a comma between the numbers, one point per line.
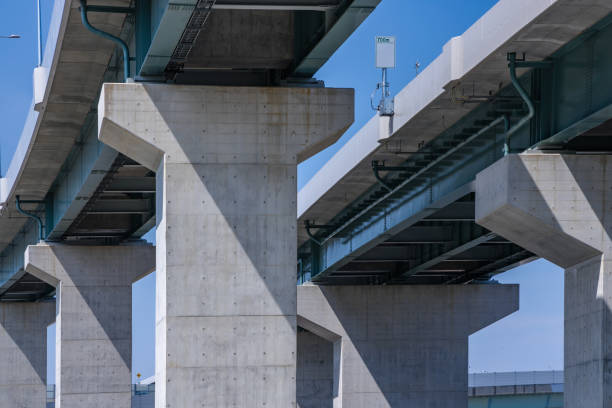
x=526, y=389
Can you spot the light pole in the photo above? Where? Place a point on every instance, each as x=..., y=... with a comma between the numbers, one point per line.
x=10, y=36
x=39, y=33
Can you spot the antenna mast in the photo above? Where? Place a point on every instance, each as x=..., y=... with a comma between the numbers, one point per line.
x=385, y=58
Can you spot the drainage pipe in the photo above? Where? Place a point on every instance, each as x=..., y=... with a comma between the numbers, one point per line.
x=523, y=94
x=117, y=40
x=18, y=203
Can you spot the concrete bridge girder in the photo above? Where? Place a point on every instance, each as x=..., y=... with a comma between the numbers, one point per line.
x=557, y=206
x=393, y=346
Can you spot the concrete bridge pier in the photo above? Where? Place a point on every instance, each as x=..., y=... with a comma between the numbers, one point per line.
x=23, y=353
x=226, y=161
x=93, y=319
x=560, y=208
x=391, y=346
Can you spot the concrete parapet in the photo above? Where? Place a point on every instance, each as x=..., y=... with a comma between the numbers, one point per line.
x=94, y=318
x=396, y=346
x=558, y=207
x=23, y=353
x=226, y=161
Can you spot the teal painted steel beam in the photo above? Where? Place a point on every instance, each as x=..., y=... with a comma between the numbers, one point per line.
x=142, y=33
x=560, y=139
x=48, y=213
x=334, y=254
x=11, y=259
x=352, y=16
x=438, y=176
x=168, y=21
x=89, y=164
x=417, y=175
x=579, y=98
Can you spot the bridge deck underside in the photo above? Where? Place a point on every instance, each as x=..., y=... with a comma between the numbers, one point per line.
x=446, y=247
x=123, y=206
x=25, y=288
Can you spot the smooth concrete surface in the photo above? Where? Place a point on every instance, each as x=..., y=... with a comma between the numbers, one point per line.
x=397, y=346
x=559, y=207
x=93, y=318
x=222, y=44
x=226, y=162
x=23, y=353
x=315, y=371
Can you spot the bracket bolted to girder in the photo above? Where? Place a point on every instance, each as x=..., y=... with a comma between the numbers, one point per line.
x=308, y=225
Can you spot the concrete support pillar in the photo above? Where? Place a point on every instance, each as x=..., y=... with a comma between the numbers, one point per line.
x=225, y=159
x=396, y=346
x=315, y=371
x=23, y=353
x=560, y=208
x=93, y=320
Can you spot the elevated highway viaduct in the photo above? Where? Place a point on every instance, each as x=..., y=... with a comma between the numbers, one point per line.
x=496, y=155
x=191, y=117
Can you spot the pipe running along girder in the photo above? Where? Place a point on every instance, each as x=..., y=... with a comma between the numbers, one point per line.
x=117, y=40
x=514, y=63
x=509, y=131
x=36, y=218
x=397, y=188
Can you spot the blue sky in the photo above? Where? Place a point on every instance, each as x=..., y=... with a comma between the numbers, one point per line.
x=531, y=339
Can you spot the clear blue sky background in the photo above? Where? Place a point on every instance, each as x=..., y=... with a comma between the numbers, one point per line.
x=531, y=339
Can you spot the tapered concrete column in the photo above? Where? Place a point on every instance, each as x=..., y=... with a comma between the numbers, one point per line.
x=394, y=346
x=226, y=162
x=560, y=208
x=94, y=318
x=23, y=353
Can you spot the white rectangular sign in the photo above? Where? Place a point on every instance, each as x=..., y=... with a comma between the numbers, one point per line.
x=385, y=51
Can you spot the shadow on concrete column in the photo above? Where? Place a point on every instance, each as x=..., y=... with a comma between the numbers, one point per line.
x=226, y=161
x=560, y=208
x=23, y=353
x=315, y=371
x=94, y=318
x=392, y=346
